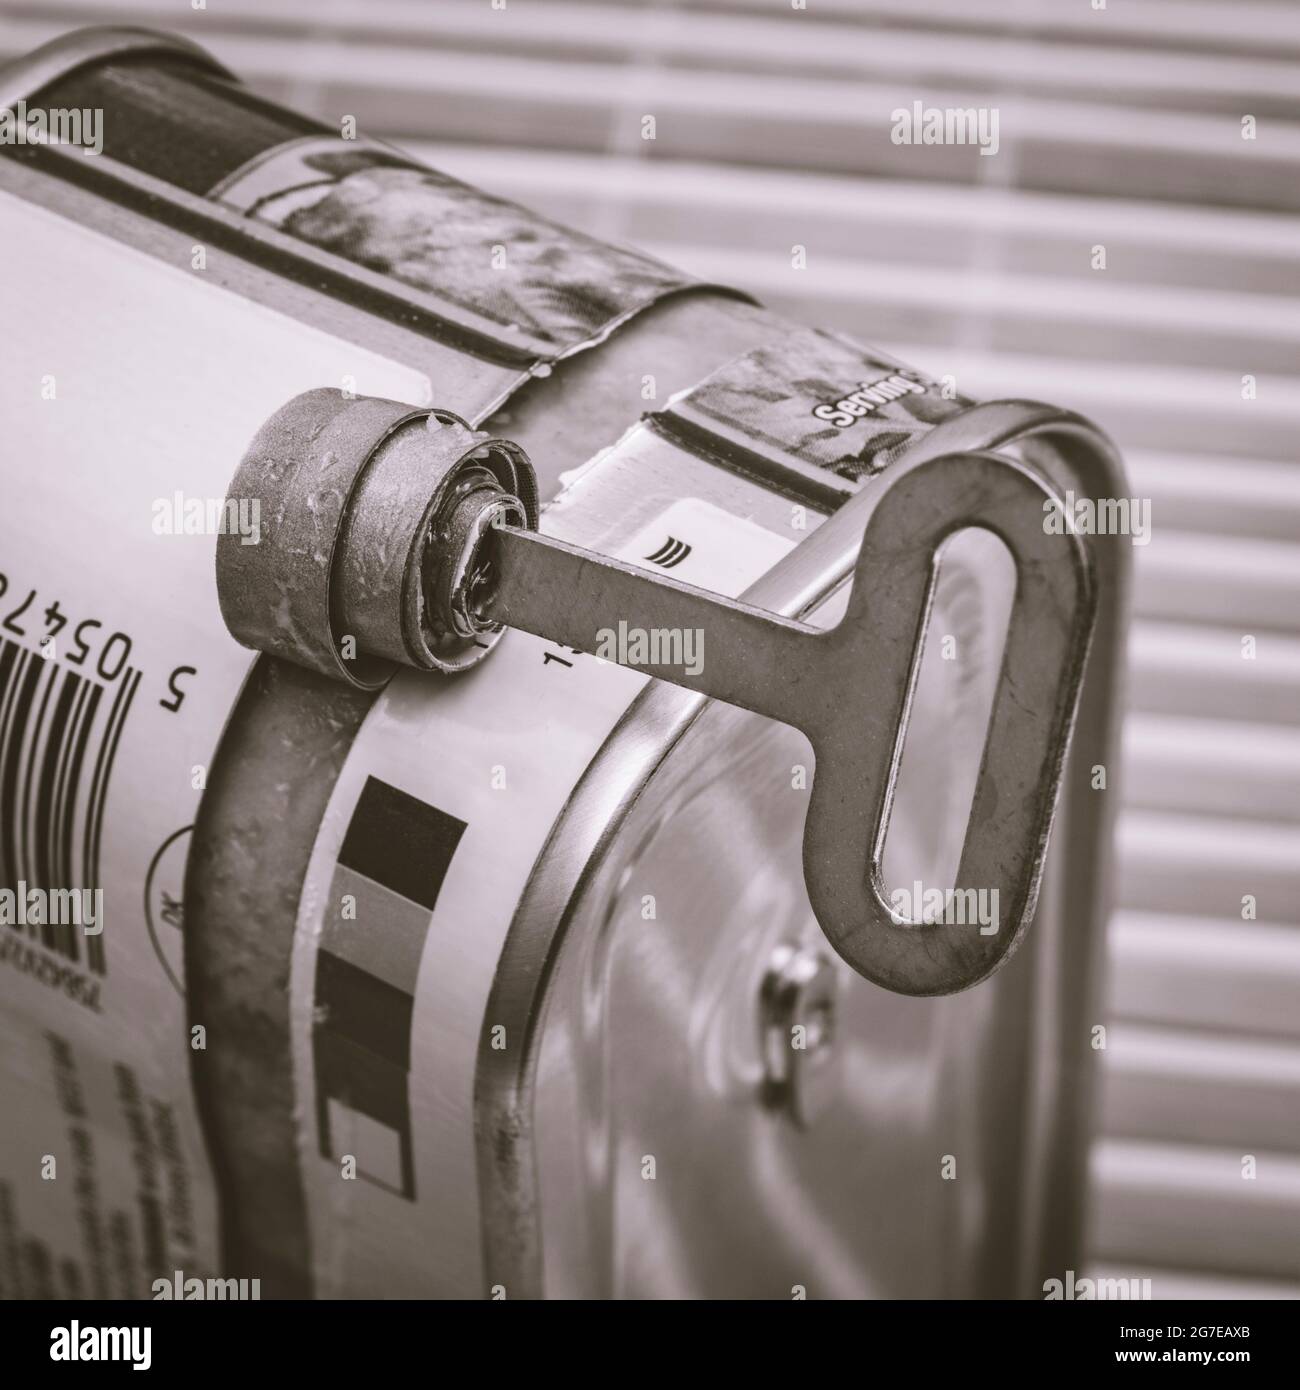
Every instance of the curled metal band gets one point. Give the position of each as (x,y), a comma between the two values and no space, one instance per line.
(392,584)
(351,575)
(302,469)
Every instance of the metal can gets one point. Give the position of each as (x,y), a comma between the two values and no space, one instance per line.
(505,984)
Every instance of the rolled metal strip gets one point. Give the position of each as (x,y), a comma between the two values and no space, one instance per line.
(373,518)
(301,470)
(402,572)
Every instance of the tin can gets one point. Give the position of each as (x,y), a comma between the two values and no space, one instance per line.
(505,984)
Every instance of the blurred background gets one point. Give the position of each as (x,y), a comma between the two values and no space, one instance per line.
(1124,130)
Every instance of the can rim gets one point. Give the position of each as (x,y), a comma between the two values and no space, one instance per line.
(62,56)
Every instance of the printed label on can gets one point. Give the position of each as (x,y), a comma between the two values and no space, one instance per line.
(813,403)
(132,390)
(524,275)
(433,831)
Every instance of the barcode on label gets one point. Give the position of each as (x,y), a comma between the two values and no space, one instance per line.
(59,733)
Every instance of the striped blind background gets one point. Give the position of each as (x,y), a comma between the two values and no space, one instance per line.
(1120,128)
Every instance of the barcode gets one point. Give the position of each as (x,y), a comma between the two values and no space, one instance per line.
(59,733)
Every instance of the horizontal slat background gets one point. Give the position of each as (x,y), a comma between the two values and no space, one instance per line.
(1119,128)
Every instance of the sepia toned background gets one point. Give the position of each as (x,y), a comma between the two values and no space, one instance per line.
(1120,128)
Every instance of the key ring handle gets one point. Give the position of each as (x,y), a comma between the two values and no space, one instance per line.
(858,724)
